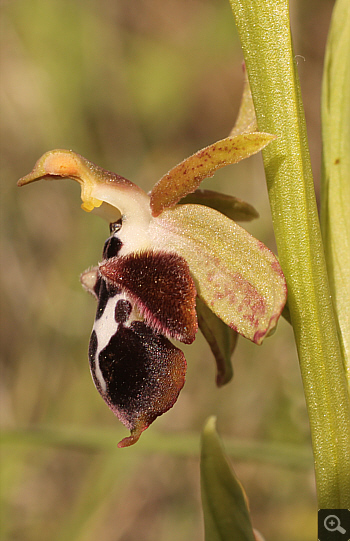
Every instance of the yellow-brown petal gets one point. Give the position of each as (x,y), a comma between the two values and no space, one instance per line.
(187,176)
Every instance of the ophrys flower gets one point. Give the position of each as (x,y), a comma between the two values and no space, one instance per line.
(164,251)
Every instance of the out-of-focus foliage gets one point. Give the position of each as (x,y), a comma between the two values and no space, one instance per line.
(135,86)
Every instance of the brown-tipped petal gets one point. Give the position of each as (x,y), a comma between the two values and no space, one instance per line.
(139,374)
(187,176)
(230,206)
(162,287)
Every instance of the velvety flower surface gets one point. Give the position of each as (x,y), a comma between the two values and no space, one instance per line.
(170,255)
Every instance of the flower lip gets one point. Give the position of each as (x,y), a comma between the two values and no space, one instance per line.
(138,372)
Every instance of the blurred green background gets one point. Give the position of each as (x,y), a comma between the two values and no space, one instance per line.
(135,86)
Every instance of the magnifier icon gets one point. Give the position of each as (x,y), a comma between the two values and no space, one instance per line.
(332,524)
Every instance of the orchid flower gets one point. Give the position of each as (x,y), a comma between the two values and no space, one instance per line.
(165,250)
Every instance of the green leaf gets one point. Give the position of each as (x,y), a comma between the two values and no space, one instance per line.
(335,186)
(187,175)
(230,206)
(236,275)
(226,515)
(221,339)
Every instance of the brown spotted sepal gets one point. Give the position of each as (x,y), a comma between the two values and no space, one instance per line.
(161,285)
(137,371)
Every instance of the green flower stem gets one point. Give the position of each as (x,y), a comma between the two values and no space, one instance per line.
(264,30)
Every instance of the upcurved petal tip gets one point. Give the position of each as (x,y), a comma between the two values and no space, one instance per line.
(133,438)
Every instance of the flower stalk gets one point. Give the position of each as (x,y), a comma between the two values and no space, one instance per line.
(264,31)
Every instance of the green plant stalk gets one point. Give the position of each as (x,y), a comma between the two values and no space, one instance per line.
(335,185)
(264,31)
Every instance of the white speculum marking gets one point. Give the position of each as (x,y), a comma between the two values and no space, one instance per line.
(132,238)
(106,326)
